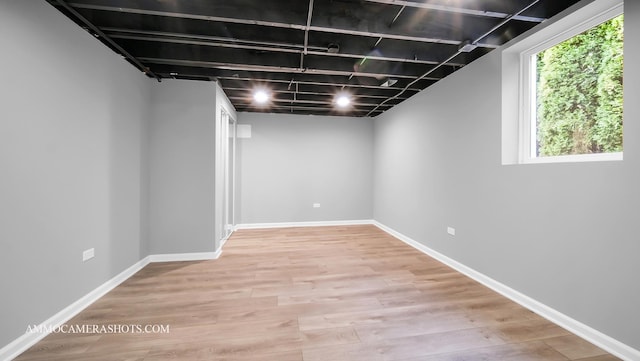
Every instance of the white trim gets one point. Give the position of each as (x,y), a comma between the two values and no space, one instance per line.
(590,334)
(22,343)
(225,239)
(573,158)
(582,20)
(179,257)
(304,224)
(516,135)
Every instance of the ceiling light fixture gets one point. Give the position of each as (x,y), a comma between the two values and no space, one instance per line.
(261,96)
(343,100)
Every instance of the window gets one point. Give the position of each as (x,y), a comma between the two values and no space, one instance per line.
(569,81)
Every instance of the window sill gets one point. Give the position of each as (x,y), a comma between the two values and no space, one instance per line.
(577,158)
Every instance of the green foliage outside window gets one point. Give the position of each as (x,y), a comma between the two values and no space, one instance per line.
(579,93)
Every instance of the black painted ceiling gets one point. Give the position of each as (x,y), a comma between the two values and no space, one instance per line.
(306,51)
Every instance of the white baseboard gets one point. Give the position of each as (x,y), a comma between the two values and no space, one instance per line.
(225,239)
(24,342)
(304,224)
(178,257)
(588,333)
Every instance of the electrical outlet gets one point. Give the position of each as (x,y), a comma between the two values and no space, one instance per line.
(316,205)
(88,254)
(451,231)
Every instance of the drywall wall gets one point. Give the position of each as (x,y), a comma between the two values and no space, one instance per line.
(72,123)
(293,161)
(182,167)
(563,234)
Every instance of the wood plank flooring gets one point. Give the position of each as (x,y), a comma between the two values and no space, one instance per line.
(313,294)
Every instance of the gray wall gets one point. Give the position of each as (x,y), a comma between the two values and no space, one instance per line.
(294,161)
(566,235)
(182,167)
(72,123)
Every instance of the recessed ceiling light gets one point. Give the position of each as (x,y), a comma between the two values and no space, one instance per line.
(261,96)
(343,100)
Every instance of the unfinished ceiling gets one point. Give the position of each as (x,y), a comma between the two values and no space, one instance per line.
(304,52)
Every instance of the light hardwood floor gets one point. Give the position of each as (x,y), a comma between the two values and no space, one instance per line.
(320,293)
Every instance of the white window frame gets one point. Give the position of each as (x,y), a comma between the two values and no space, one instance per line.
(518,135)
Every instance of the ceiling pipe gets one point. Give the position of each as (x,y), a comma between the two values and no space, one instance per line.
(280,47)
(186,41)
(423,76)
(317,83)
(303,101)
(392,22)
(289,91)
(306,34)
(187,16)
(270,68)
(115,32)
(456,10)
(101,34)
(319,109)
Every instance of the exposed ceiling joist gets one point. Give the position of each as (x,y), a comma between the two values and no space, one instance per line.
(458,52)
(274,24)
(283,48)
(379,52)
